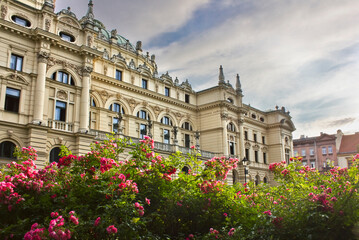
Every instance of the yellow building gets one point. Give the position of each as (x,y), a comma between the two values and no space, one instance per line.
(69,81)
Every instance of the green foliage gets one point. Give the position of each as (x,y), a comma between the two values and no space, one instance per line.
(146,196)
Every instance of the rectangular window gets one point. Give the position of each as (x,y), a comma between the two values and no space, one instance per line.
(263,139)
(245,135)
(60,111)
(187,141)
(16,62)
(144,84)
(167,91)
(312,164)
(255,137)
(12,100)
(324,150)
(118,75)
(247,153)
(166,136)
(256,156)
(186,98)
(265,158)
(296,153)
(115,125)
(330,149)
(143,130)
(311,152)
(231,148)
(303,153)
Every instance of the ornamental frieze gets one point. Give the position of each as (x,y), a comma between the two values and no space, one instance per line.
(65,64)
(3,11)
(61,95)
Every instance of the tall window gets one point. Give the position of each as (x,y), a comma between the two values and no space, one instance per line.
(60,111)
(118,75)
(12,100)
(231,148)
(166,136)
(186,98)
(143,130)
(311,152)
(143,114)
(255,137)
(256,156)
(144,84)
(16,62)
(115,125)
(263,139)
(324,150)
(287,155)
(187,141)
(7,150)
(303,153)
(265,158)
(63,77)
(167,91)
(296,153)
(55,154)
(21,21)
(166,120)
(247,154)
(330,149)
(312,164)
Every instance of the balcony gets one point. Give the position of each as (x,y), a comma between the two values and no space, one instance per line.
(60,125)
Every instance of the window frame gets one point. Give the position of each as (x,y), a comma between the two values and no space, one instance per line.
(12,102)
(118,75)
(20,21)
(167,91)
(144,84)
(10,148)
(67,37)
(187,98)
(324,150)
(60,111)
(63,77)
(14,61)
(166,132)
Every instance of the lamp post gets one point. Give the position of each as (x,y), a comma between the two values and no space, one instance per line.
(175,131)
(245,162)
(149,124)
(120,117)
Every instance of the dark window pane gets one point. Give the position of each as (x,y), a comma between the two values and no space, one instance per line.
(16,62)
(118,75)
(187,141)
(60,111)
(12,100)
(7,150)
(55,154)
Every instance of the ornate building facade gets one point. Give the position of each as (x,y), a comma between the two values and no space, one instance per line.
(69,81)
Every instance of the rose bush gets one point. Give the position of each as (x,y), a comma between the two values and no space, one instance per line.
(146,196)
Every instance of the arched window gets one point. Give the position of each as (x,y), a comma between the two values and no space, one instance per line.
(93,103)
(115,107)
(63,77)
(187,126)
(185,169)
(55,154)
(7,150)
(265,180)
(166,120)
(230,100)
(143,114)
(231,127)
(258,180)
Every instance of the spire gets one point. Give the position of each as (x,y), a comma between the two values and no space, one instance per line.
(238,84)
(89,14)
(221,76)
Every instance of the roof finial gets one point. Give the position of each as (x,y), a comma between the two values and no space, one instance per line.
(238,84)
(221,76)
(89,13)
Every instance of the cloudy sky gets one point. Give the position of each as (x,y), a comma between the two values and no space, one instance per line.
(299,54)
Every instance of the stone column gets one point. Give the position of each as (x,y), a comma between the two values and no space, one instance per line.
(224,117)
(40,88)
(85,99)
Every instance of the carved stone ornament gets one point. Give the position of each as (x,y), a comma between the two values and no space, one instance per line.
(10,133)
(168,110)
(104,96)
(157,110)
(247,145)
(132,79)
(132,102)
(3,11)
(264,149)
(52,61)
(43,56)
(145,103)
(118,96)
(156,87)
(47,24)
(256,147)
(240,121)
(105,70)
(178,116)
(132,64)
(61,95)
(86,71)
(89,41)
(224,115)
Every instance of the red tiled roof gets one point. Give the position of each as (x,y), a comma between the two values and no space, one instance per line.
(349,143)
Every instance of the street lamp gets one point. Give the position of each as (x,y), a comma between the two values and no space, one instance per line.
(245,162)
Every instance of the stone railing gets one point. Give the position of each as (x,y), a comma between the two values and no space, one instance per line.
(60,125)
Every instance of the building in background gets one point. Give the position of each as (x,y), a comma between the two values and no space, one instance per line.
(325,150)
(69,81)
